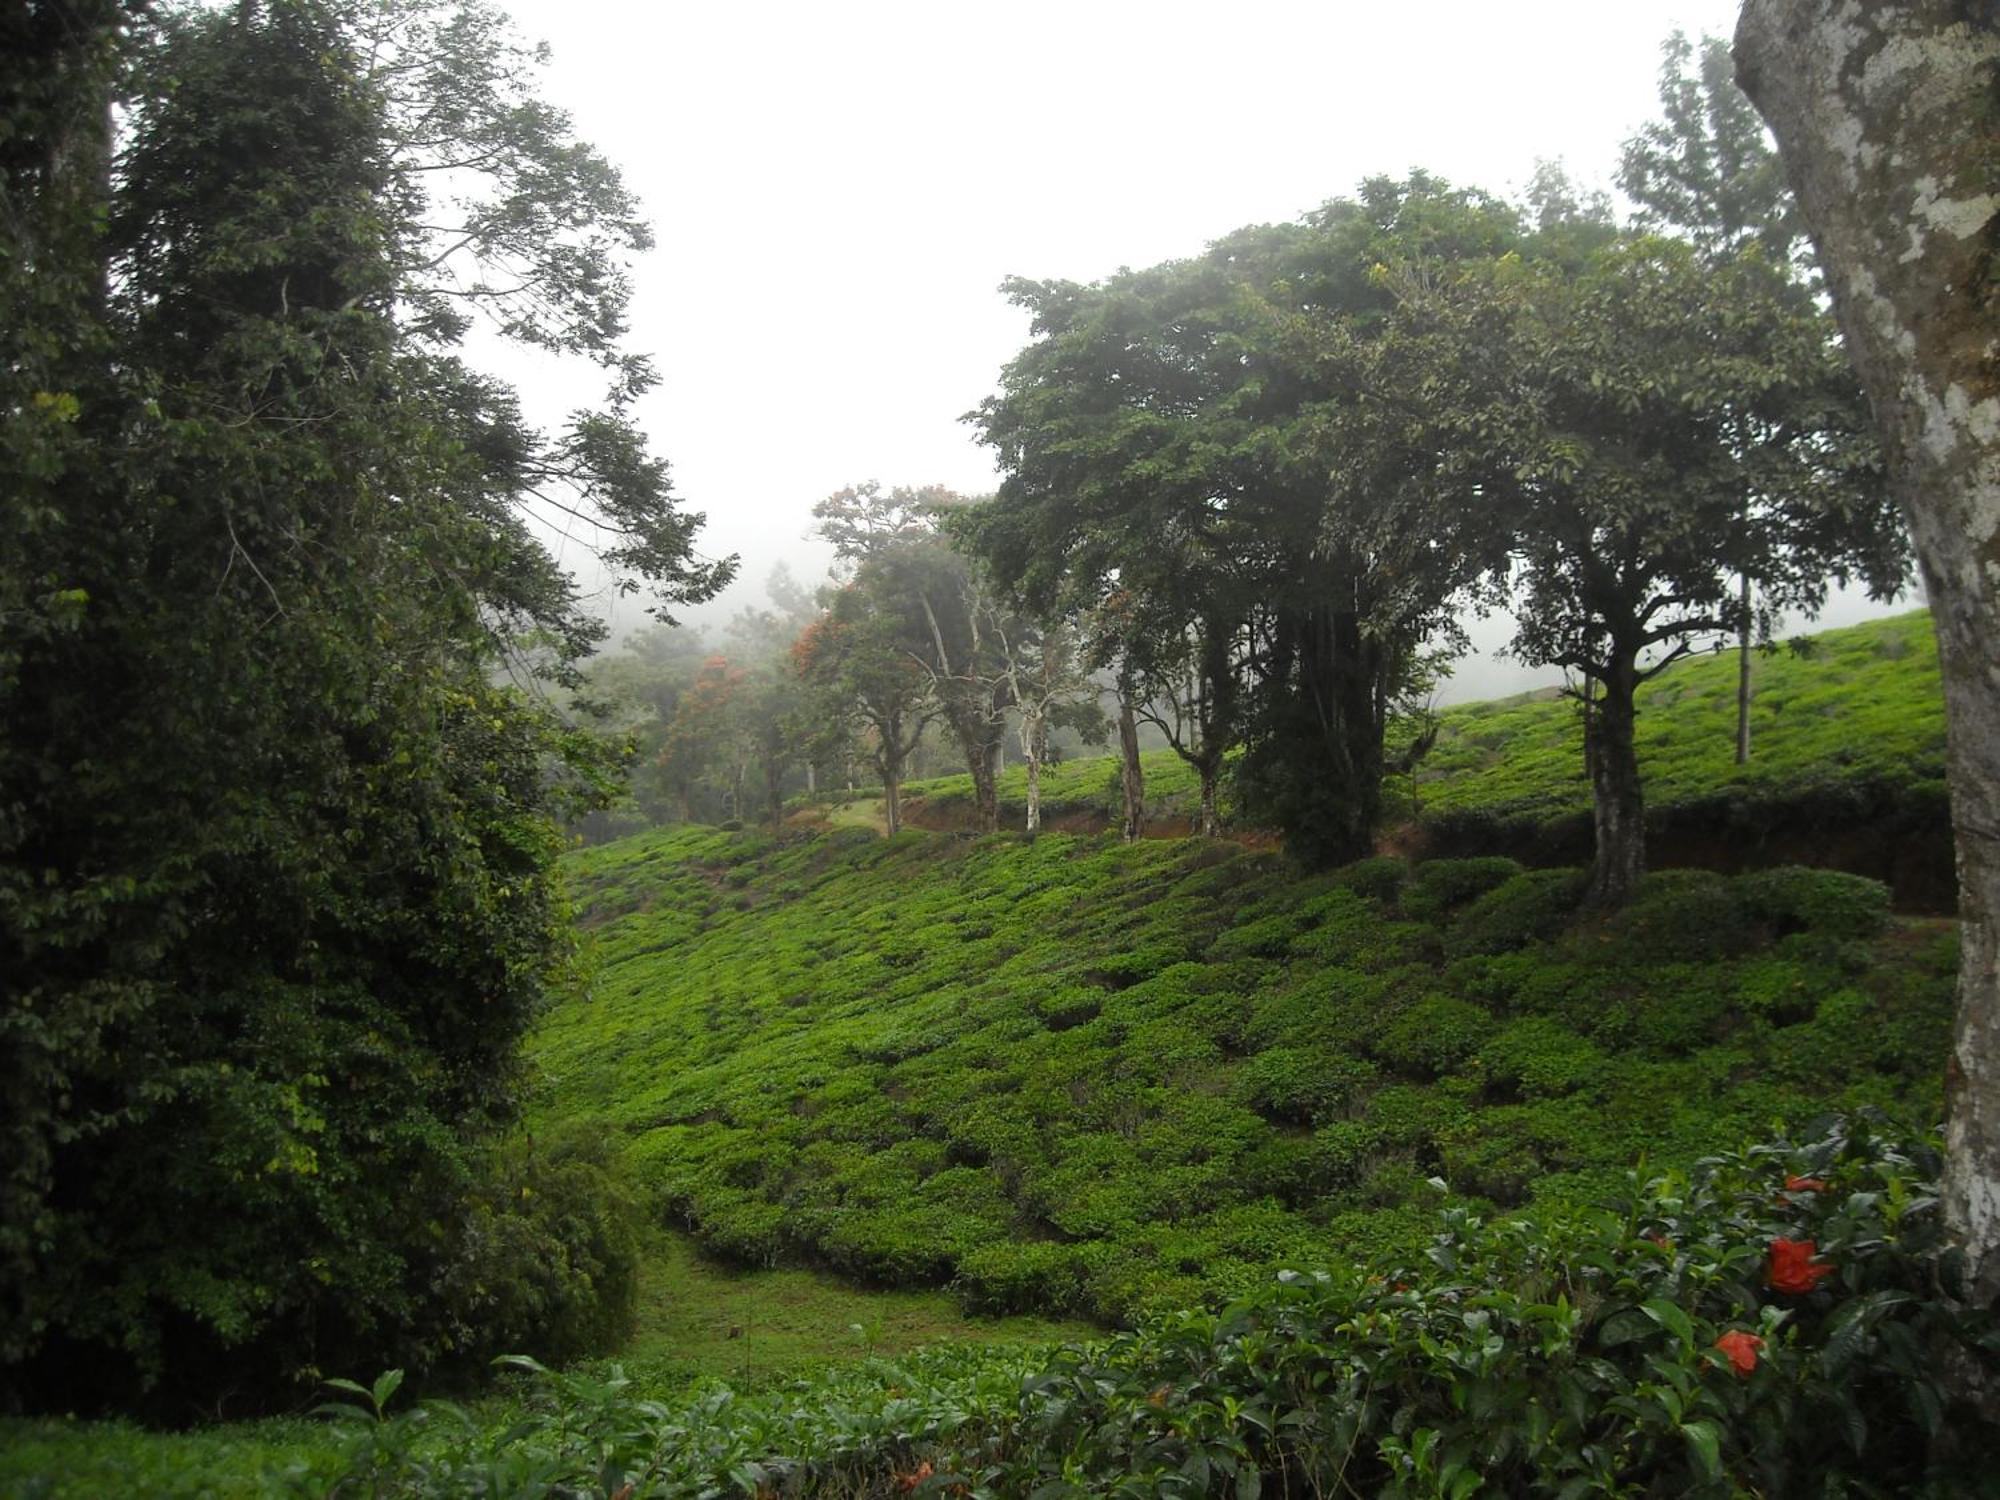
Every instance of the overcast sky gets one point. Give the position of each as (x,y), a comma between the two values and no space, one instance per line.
(838,189)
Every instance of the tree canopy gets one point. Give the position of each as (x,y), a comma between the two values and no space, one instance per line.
(276,861)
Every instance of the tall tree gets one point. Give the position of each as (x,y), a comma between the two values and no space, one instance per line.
(1658,392)
(277,896)
(939,608)
(1888,118)
(1706,170)
(854,666)
(1167,436)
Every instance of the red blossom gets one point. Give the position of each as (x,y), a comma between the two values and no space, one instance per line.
(1741,1348)
(915,1477)
(1804,1185)
(1792,1267)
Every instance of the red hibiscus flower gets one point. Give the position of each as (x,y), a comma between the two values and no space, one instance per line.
(1741,1348)
(1804,1185)
(1792,1268)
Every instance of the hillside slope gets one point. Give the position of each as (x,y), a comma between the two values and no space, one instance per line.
(1080,1076)
(1847,770)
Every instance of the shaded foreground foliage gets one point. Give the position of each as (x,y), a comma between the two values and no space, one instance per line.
(1768,1322)
(277,831)
(1090,1077)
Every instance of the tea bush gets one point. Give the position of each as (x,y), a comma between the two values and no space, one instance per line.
(929,1059)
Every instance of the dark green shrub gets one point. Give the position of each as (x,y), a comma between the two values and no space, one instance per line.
(1378,879)
(1434,1035)
(1528,908)
(1682,914)
(1302,1085)
(1783,990)
(1676,1008)
(1263,937)
(1826,903)
(1069,1005)
(548,1254)
(1438,886)
(1343,1154)
(1539,1057)
(1411,1117)
(1009,1276)
(903,1245)
(1354,933)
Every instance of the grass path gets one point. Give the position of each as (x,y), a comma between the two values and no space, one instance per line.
(697,1317)
(863,812)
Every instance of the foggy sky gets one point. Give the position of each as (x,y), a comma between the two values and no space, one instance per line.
(837,190)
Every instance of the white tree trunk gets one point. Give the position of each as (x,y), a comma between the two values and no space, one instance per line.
(1888,118)
(1033,740)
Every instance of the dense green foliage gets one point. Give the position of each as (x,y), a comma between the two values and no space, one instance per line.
(277,888)
(1079,1075)
(1768,1323)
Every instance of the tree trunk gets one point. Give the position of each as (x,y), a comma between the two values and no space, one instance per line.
(812,780)
(1888,120)
(892,801)
(1618,809)
(774,792)
(984,760)
(1131,775)
(1743,681)
(1034,747)
(1210,825)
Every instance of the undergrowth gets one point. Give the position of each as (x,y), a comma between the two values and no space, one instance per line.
(1773,1322)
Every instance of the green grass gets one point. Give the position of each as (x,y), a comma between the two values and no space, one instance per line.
(1862,706)
(58,1460)
(1086,1078)
(698,1317)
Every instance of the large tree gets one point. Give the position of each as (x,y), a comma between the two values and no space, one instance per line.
(1707,171)
(1657,392)
(277,896)
(1172,437)
(1888,118)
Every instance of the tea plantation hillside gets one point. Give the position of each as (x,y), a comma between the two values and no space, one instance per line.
(1847,766)
(1079,1076)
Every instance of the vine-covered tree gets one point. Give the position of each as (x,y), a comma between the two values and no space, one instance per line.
(276,854)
